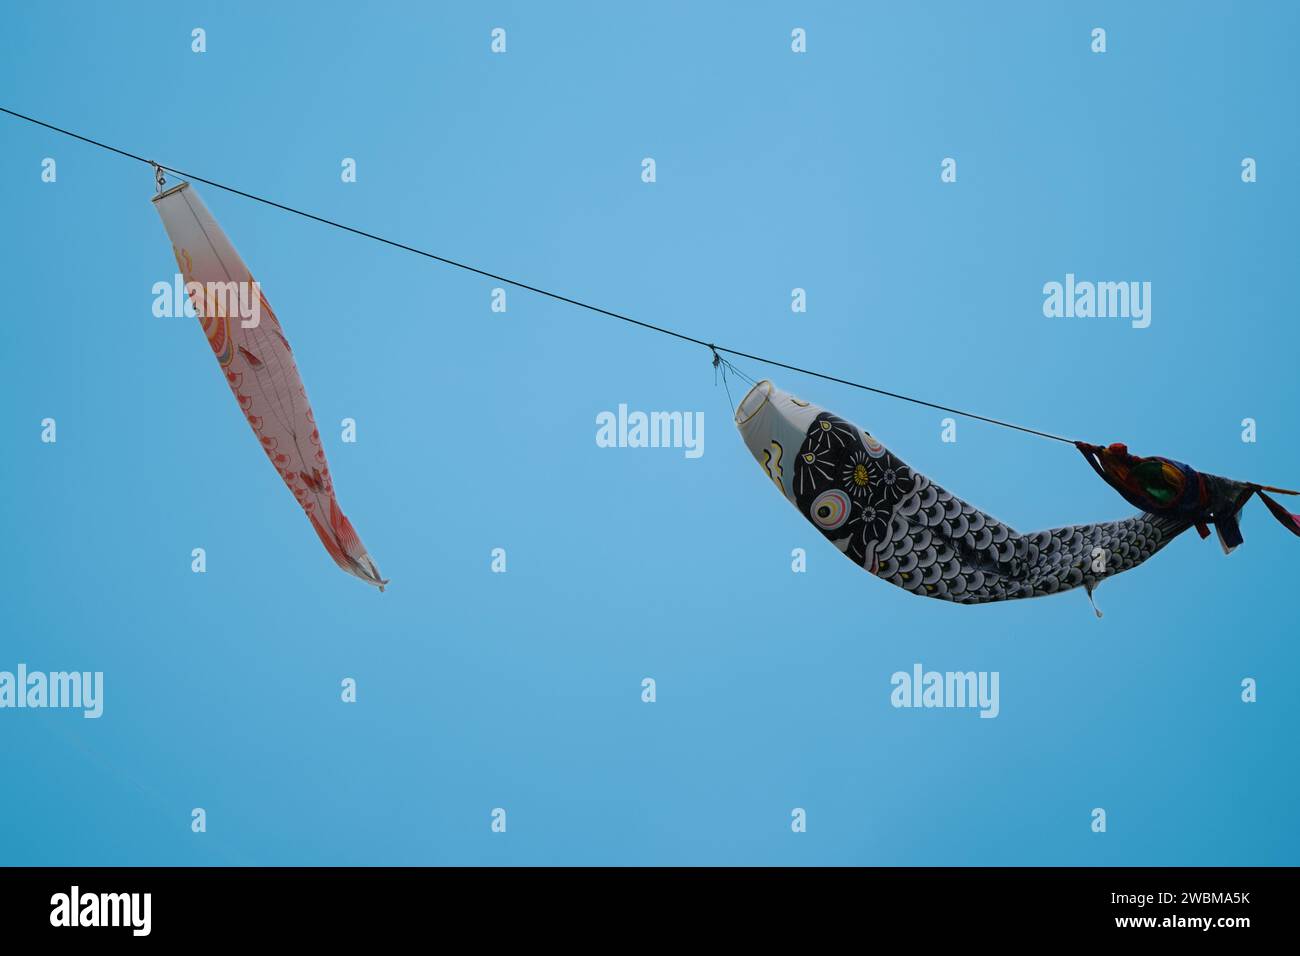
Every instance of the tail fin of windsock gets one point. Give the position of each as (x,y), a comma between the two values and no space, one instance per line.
(1228,527)
(1285,518)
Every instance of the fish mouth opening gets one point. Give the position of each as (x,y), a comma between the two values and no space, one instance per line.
(753,401)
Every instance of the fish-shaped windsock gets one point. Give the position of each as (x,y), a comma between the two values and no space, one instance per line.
(1163,486)
(904,528)
(258,365)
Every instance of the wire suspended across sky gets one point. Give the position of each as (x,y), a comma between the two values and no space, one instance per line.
(712,347)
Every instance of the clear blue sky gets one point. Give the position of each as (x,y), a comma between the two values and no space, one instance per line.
(477,430)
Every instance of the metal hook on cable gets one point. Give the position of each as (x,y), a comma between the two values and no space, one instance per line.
(158,176)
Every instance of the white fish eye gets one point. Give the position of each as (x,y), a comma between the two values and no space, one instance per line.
(830,509)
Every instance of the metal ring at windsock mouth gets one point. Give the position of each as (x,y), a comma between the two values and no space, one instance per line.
(753,401)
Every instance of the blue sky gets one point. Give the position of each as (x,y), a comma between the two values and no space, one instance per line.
(477,430)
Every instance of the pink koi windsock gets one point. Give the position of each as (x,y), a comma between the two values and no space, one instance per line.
(258,366)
